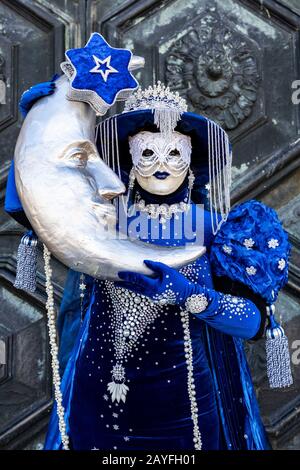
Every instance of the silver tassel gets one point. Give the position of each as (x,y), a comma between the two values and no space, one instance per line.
(219,168)
(27,262)
(166,119)
(277,351)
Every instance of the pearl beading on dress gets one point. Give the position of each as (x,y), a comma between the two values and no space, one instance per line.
(82,288)
(132,314)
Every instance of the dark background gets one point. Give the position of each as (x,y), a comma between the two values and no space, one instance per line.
(238,58)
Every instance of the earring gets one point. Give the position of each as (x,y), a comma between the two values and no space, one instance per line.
(131,179)
(191,180)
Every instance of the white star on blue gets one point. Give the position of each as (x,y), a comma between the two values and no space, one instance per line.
(101,68)
(98,67)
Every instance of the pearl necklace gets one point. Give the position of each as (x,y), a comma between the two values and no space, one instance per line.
(54,351)
(162,211)
(185,316)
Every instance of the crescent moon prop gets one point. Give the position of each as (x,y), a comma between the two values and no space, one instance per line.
(65,188)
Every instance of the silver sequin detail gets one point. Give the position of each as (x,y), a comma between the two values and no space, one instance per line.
(132,314)
(251,270)
(166,297)
(281,264)
(227,249)
(249,243)
(273,243)
(196,303)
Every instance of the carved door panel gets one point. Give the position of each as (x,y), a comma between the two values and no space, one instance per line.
(234,61)
(33,38)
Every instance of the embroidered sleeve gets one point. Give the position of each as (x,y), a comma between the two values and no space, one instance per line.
(236,316)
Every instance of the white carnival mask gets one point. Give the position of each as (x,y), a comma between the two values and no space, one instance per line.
(152,150)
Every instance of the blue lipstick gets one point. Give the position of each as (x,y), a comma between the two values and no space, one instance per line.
(161,175)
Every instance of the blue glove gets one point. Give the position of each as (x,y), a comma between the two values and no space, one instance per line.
(236,316)
(166,286)
(35,92)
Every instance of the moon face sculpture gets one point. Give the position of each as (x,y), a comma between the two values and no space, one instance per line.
(65,189)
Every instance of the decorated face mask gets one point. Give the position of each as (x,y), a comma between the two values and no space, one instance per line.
(160,161)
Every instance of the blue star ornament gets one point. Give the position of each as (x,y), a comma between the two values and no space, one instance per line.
(99,73)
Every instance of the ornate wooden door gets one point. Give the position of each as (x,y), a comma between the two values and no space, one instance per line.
(235,61)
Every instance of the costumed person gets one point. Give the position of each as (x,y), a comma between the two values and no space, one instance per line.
(158,362)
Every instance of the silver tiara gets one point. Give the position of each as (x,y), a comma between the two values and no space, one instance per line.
(166,105)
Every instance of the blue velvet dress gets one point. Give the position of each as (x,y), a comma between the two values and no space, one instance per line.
(156,414)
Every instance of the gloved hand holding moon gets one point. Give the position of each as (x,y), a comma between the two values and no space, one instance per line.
(66,188)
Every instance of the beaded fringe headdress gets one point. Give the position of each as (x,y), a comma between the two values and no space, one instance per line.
(168,108)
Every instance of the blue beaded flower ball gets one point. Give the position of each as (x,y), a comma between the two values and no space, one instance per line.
(253,248)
